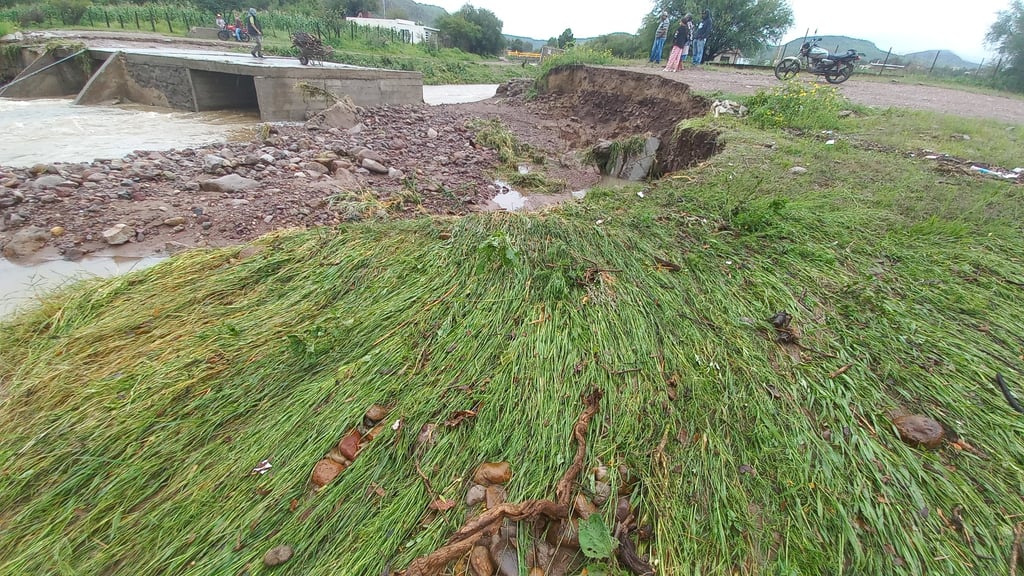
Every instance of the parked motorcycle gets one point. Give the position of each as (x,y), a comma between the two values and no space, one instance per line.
(228,32)
(836,68)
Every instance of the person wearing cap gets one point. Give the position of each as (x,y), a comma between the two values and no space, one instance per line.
(221,24)
(255,32)
(680,44)
(700,37)
(659,39)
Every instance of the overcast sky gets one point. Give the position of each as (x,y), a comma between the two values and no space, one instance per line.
(905,25)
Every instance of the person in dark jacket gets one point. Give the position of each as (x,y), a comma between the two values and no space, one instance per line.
(700,37)
(255,32)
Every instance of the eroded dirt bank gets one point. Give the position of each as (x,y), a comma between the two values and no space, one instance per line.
(396,162)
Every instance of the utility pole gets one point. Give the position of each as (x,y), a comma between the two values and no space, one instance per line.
(384,8)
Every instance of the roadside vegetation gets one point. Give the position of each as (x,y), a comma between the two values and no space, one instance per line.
(138,412)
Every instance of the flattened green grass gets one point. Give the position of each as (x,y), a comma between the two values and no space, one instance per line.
(133,409)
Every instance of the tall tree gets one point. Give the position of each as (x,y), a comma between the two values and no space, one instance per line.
(744,25)
(475,30)
(566,39)
(1007,36)
(350,7)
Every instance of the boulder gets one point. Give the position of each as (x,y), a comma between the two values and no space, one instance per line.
(373,166)
(228,184)
(48,181)
(118,234)
(212,163)
(26,241)
(341,115)
(12,38)
(346,180)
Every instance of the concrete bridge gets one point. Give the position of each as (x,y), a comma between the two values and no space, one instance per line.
(280,88)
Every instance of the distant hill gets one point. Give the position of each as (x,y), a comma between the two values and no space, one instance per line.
(871,52)
(426,14)
(946,59)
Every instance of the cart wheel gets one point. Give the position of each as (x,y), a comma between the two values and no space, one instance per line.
(303,60)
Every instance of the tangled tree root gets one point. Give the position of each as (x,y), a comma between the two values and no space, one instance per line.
(488,523)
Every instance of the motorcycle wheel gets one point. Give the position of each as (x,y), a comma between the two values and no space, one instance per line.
(303,60)
(223,35)
(839,76)
(787,69)
(245,37)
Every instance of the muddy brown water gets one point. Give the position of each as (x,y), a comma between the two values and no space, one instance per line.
(54,130)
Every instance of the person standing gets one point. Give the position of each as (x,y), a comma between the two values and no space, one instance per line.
(255,32)
(680,43)
(659,39)
(700,37)
(238,27)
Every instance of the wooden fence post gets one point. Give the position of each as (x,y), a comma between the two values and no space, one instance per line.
(882,69)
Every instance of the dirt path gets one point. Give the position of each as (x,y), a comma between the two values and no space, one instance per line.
(862,90)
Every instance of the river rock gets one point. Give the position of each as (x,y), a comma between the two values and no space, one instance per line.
(341,115)
(373,166)
(12,38)
(117,234)
(48,181)
(917,430)
(395,173)
(174,221)
(26,241)
(277,555)
(313,168)
(230,183)
(345,180)
(431,133)
(475,495)
(212,163)
(362,153)
(492,473)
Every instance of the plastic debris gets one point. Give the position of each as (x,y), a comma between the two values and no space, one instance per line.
(262,468)
(995,173)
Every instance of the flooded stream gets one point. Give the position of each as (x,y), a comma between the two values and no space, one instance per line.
(21,285)
(54,130)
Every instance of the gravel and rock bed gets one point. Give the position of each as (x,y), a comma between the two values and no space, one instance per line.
(345,164)
(395,162)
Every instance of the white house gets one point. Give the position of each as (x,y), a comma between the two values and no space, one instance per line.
(416,32)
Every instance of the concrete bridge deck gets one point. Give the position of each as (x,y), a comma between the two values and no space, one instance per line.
(281,88)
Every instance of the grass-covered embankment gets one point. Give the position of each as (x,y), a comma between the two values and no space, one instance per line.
(132,410)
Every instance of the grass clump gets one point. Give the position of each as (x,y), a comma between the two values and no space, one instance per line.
(133,409)
(579,54)
(6,27)
(797,105)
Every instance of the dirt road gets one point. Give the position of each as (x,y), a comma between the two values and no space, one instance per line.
(870,91)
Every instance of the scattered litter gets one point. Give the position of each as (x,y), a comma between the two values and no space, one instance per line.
(262,468)
(931,157)
(640,193)
(797,170)
(599,222)
(729,107)
(994,173)
(829,142)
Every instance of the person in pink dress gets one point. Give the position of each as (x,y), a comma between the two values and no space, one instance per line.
(680,44)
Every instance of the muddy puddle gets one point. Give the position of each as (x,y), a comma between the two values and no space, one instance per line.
(509,199)
(21,285)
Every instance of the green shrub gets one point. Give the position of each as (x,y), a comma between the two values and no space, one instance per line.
(797,105)
(6,28)
(33,15)
(71,11)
